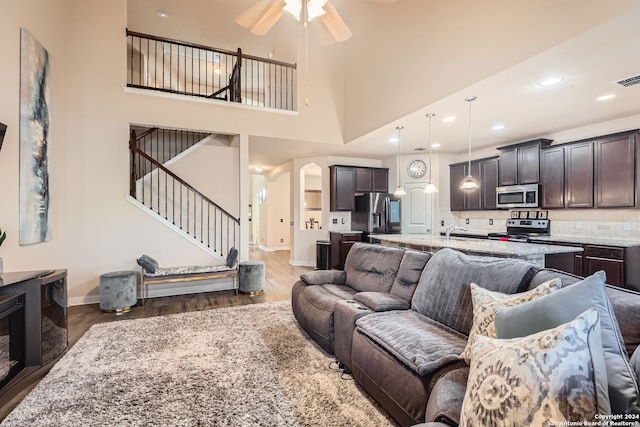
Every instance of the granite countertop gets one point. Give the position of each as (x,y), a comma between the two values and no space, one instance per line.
(473,245)
(586,241)
(469,233)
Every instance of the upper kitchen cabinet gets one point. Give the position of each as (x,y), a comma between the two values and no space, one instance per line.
(594,173)
(615,174)
(483,170)
(552,177)
(579,175)
(347,181)
(520,163)
(342,182)
(369,180)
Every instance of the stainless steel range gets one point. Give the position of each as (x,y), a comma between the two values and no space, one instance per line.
(520,230)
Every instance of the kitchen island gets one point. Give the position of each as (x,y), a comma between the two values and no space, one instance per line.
(538,253)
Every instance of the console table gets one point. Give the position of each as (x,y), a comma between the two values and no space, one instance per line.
(38,302)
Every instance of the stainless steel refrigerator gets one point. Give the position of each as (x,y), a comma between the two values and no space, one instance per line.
(377,213)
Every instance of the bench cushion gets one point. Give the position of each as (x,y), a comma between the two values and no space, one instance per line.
(189,269)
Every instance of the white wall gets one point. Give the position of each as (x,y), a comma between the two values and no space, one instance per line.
(95,230)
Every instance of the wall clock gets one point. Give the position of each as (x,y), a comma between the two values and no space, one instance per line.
(417,169)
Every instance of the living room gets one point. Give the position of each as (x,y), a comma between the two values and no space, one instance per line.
(96,230)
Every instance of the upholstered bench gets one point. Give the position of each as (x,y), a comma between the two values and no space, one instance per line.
(152,274)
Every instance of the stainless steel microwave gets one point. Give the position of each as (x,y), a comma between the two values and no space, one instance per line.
(518,196)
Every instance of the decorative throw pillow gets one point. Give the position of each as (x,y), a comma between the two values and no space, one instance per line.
(232,257)
(536,380)
(565,304)
(149,264)
(484,301)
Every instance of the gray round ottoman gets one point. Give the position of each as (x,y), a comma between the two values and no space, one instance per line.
(118,291)
(251,277)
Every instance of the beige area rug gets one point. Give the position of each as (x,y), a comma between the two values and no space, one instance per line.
(241,366)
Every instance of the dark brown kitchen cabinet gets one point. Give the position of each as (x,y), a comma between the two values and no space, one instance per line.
(380,180)
(341,243)
(456,195)
(552,177)
(489,182)
(615,185)
(485,171)
(579,175)
(342,183)
(371,180)
(473,198)
(347,181)
(520,163)
(609,259)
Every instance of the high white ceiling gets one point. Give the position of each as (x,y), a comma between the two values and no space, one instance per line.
(589,63)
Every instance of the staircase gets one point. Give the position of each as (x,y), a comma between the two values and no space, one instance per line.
(176,202)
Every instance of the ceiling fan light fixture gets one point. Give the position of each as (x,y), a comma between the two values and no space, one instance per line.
(293,8)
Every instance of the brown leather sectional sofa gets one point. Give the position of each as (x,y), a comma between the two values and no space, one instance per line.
(399,319)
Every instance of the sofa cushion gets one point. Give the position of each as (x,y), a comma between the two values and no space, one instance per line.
(443,293)
(625,305)
(535,379)
(408,275)
(417,341)
(340,291)
(372,267)
(485,301)
(381,301)
(563,305)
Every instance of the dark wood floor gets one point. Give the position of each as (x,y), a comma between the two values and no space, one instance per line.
(279,278)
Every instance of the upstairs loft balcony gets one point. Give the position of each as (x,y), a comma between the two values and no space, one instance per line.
(171,66)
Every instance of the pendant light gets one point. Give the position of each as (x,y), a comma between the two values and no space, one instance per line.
(400,190)
(430,187)
(469,182)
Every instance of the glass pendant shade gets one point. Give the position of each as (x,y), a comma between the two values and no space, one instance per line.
(314,8)
(399,191)
(430,187)
(469,183)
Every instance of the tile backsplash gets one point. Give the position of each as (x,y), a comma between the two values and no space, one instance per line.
(619,224)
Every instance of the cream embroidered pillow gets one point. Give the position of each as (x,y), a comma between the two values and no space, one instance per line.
(484,301)
(539,380)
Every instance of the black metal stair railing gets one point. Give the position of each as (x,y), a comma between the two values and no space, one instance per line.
(172,198)
(183,68)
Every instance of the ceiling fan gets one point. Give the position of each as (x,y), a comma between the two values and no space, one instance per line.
(262,16)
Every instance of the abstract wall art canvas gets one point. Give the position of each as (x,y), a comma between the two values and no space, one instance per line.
(35,126)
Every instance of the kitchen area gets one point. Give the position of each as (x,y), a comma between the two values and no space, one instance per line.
(570,206)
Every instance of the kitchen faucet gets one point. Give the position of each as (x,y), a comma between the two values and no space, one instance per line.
(453,228)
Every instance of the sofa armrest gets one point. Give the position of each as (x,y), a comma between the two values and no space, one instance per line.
(322,277)
(445,400)
(381,301)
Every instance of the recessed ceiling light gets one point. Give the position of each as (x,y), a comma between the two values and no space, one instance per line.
(498,127)
(449,119)
(393,139)
(551,81)
(162,14)
(606,97)
(435,145)
(258,168)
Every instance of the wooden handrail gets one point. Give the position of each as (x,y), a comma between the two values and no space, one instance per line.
(213,49)
(136,150)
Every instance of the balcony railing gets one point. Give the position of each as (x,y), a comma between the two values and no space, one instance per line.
(183,68)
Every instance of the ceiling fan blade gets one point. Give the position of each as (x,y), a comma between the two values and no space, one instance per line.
(335,24)
(272,13)
(249,17)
